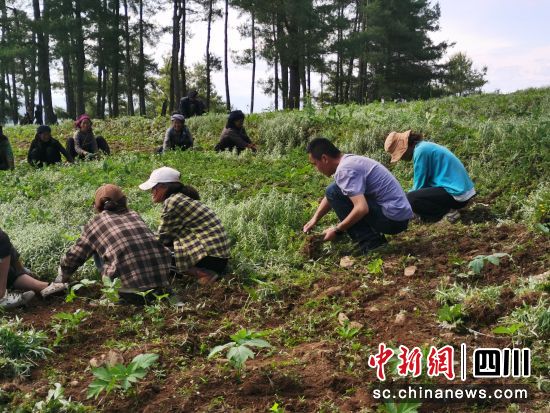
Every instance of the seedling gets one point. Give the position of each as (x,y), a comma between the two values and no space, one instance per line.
(451,314)
(110,290)
(67,323)
(509,330)
(376,266)
(72,292)
(392,407)
(276,408)
(56,402)
(119,376)
(477,264)
(347,332)
(239,349)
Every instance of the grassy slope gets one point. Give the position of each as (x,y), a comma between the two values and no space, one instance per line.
(263,200)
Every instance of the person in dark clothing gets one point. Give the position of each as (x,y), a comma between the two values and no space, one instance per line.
(178,136)
(6,153)
(84,144)
(191,105)
(26,119)
(38,115)
(234,135)
(46,150)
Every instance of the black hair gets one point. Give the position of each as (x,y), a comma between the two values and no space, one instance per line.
(232,117)
(322,146)
(179,188)
(107,204)
(415,138)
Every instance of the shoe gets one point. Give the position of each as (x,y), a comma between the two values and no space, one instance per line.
(452,216)
(53,288)
(14,300)
(207,278)
(373,245)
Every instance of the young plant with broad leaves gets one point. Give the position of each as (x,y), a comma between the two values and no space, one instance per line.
(67,324)
(240,348)
(119,376)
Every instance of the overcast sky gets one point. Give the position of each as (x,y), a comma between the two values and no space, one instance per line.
(510,37)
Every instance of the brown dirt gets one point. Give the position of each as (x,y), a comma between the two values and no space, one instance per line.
(310,367)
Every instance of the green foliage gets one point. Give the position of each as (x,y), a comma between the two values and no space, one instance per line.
(110,290)
(529,323)
(239,349)
(20,347)
(507,330)
(536,210)
(392,407)
(57,403)
(376,266)
(72,291)
(477,264)
(119,376)
(276,408)
(451,314)
(67,324)
(346,331)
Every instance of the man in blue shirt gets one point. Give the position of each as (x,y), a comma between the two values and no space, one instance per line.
(441,184)
(366,197)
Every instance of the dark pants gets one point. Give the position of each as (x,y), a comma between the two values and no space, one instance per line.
(101,145)
(368,232)
(215,264)
(48,157)
(7,250)
(431,204)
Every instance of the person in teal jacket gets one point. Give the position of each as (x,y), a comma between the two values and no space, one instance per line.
(441,184)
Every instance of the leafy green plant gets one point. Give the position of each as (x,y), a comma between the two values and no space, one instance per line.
(276,408)
(392,407)
(451,314)
(119,376)
(239,349)
(57,403)
(67,323)
(508,329)
(110,290)
(20,347)
(71,296)
(375,266)
(478,263)
(346,331)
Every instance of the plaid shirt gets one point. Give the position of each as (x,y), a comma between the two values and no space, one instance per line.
(128,248)
(193,229)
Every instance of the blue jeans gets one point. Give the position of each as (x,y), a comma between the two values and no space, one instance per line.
(368,232)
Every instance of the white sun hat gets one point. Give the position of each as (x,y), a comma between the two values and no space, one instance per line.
(161,175)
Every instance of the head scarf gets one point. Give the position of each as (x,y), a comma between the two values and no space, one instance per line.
(177,116)
(80,119)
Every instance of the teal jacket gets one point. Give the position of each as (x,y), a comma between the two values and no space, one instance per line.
(436,166)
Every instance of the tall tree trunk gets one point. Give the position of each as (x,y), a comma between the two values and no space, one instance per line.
(183,73)
(99,107)
(14,99)
(225,59)
(68,82)
(175,94)
(116,62)
(275,65)
(33,83)
(104,94)
(80,59)
(101,61)
(43,64)
(253,62)
(141,64)
(294,83)
(208,81)
(129,88)
(3,20)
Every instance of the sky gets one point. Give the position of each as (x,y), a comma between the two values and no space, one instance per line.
(511,38)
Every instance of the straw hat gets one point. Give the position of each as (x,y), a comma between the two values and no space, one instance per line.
(396,144)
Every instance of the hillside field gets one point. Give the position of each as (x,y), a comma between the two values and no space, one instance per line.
(483,281)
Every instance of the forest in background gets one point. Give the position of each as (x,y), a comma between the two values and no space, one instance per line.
(94,52)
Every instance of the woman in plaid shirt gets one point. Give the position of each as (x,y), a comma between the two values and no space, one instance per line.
(122,244)
(188,227)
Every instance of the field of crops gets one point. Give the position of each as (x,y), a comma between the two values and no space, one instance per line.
(302,320)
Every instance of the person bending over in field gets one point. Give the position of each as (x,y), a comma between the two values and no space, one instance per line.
(366,197)
(188,227)
(84,144)
(191,105)
(123,247)
(14,275)
(177,136)
(234,135)
(441,184)
(46,150)
(6,153)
